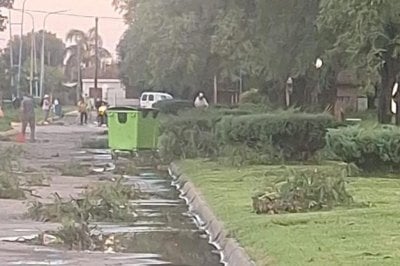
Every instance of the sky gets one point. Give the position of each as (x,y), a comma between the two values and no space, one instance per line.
(110,30)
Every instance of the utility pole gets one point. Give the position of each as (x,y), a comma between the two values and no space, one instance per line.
(96,68)
(11,55)
(78,62)
(32,63)
(42,52)
(20,50)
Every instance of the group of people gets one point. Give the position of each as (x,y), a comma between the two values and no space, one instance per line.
(85,108)
(48,106)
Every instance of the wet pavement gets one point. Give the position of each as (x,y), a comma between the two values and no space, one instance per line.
(164,233)
(164,226)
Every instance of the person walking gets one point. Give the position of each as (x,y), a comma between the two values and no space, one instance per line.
(28,116)
(89,107)
(57,107)
(46,106)
(82,109)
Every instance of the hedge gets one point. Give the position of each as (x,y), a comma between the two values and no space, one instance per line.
(291,136)
(173,106)
(189,135)
(369,148)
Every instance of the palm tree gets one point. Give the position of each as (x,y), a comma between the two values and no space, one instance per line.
(82,52)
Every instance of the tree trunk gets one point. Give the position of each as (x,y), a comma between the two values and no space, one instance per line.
(388,78)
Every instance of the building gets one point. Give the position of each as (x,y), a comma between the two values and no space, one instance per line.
(109,86)
(348,96)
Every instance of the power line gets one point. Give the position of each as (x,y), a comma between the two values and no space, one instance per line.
(70,14)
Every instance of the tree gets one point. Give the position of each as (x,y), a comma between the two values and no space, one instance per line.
(53,57)
(82,52)
(3,19)
(168,49)
(287,41)
(54,53)
(127,7)
(181,45)
(367,36)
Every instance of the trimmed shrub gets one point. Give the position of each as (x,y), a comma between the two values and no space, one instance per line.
(192,133)
(187,137)
(173,106)
(292,136)
(376,148)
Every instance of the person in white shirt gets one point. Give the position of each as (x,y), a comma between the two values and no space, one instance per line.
(201,101)
(46,107)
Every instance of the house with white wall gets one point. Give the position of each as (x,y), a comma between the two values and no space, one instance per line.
(109,86)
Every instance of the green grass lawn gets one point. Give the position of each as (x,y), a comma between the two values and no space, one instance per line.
(358,236)
(10,115)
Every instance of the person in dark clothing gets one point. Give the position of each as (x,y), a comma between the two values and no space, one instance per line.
(28,116)
(16,102)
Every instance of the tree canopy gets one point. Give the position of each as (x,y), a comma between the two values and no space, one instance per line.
(53,61)
(366,36)
(181,45)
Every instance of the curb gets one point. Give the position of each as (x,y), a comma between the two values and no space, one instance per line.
(232,253)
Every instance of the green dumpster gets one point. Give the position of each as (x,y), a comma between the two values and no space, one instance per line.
(132,129)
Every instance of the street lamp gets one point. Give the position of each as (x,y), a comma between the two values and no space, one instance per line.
(314,94)
(33,51)
(42,55)
(33,70)
(20,50)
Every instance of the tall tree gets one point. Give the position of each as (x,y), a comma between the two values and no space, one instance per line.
(367,35)
(3,18)
(53,55)
(127,7)
(169,49)
(181,45)
(81,52)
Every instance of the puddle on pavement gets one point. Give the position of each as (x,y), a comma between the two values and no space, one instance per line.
(164,226)
(164,233)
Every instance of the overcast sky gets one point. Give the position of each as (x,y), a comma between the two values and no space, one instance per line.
(110,30)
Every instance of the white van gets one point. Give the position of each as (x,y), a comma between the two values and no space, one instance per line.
(147,99)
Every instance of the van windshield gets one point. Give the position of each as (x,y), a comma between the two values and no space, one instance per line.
(151,97)
(144,97)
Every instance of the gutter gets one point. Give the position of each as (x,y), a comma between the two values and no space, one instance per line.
(231,252)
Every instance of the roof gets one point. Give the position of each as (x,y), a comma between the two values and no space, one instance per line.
(106,72)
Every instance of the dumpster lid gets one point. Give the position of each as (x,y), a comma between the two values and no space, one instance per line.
(130,108)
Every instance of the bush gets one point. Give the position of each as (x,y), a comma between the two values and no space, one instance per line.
(173,106)
(188,137)
(292,136)
(192,133)
(310,190)
(369,148)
